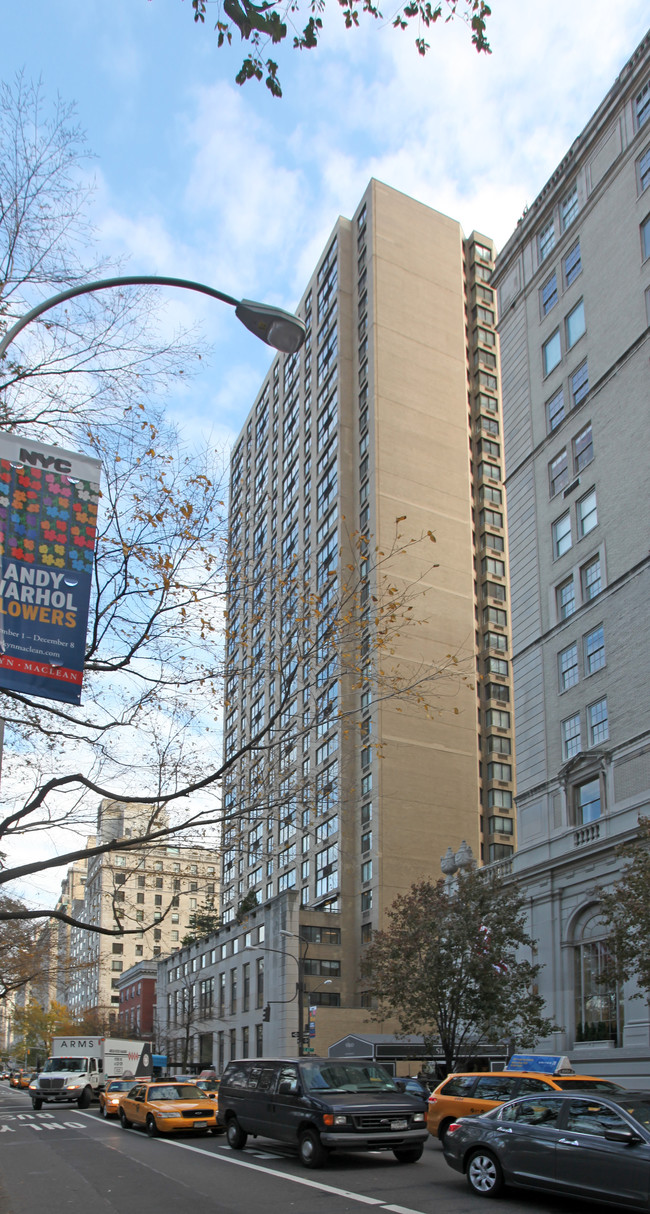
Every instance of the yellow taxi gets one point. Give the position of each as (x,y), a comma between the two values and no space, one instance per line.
(21,1079)
(166,1106)
(109,1099)
(470,1093)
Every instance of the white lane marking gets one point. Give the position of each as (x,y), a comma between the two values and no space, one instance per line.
(401,1210)
(7,1129)
(310,1184)
(255,1167)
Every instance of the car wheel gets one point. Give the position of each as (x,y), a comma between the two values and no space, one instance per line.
(236,1136)
(408,1154)
(85,1099)
(124,1121)
(37,1103)
(442,1129)
(150,1126)
(484,1175)
(311,1150)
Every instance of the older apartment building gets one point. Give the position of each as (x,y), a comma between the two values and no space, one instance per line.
(574,300)
(384,428)
(151,891)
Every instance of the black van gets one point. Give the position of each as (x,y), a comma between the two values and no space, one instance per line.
(322,1105)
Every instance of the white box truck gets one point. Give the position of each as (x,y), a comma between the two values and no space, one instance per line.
(80,1067)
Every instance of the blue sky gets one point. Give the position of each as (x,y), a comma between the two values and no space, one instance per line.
(198,177)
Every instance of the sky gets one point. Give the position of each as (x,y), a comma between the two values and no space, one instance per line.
(199,178)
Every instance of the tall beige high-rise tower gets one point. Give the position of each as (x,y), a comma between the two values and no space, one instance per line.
(386,424)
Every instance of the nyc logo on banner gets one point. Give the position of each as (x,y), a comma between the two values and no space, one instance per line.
(48,529)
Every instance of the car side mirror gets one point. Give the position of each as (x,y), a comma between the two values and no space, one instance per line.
(625,1137)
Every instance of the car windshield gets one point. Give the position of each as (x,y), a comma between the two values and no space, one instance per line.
(596,1085)
(66,1064)
(123,1085)
(346,1077)
(175,1091)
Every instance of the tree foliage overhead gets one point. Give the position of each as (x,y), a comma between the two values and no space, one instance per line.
(21,962)
(626,910)
(451,965)
(268,24)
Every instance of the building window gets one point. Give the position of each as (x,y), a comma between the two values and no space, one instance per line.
(499,798)
(551,352)
(572,264)
(580,383)
(642,105)
(500,826)
(565,599)
(594,647)
(366,933)
(587,514)
(499,771)
(500,851)
(559,473)
(562,535)
(568,667)
(575,324)
(596,998)
(569,208)
(549,294)
(555,410)
(586,801)
(590,578)
(366,900)
(643,168)
(583,449)
(366,871)
(645,238)
(546,240)
(597,722)
(571,736)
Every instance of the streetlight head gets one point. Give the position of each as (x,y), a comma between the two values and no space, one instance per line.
(277,328)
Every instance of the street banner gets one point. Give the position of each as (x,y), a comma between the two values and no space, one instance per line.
(48,528)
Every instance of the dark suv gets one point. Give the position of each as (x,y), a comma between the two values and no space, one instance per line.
(321,1105)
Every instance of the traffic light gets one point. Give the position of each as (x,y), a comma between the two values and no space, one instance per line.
(266,1014)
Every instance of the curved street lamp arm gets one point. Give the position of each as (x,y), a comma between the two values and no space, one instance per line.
(277,328)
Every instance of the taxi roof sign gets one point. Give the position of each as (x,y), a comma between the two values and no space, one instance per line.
(544,1064)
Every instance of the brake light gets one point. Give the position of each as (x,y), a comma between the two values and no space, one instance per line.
(453,1125)
(433,1099)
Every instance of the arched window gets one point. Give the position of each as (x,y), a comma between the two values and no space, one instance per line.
(598,1010)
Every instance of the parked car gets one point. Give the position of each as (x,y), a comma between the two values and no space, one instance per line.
(475,1092)
(321,1105)
(590,1145)
(162,1107)
(415,1086)
(109,1099)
